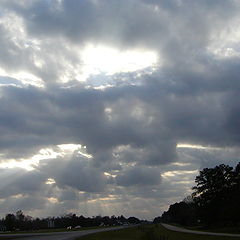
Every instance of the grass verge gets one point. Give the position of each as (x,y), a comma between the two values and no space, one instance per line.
(220,230)
(227,229)
(151,232)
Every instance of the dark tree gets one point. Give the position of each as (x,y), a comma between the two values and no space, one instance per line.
(214,202)
(22,222)
(133,220)
(157,220)
(182,213)
(10,221)
(212,194)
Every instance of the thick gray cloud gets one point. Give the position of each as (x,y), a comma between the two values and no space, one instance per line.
(139,176)
(132,126)
(14,182)
(179,35)
(76,173)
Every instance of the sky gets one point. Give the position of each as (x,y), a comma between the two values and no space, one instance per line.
(113,107)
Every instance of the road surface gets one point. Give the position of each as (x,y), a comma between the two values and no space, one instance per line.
(178,229)
(71,235)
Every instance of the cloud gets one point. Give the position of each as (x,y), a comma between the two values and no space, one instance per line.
(130,122)
(76,173)
(139,176)
(18,181)
(27,203)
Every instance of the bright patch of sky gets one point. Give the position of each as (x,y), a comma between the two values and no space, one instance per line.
(194,146)
(62,150)
(24,77)
(225,44)
(109,61)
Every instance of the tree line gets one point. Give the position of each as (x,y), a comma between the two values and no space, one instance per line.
(20,222)
(214,201)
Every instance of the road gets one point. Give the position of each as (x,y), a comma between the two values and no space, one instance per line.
(71,235)
(178,229)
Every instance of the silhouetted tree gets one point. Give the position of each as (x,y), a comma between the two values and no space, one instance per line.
(215,199)
(133,220)
(182,213)
(157,220)
(22,222)
(212,194)
(10,222)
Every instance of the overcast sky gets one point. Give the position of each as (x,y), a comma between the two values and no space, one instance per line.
(112,107)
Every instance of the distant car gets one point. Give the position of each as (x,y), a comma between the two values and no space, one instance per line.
(69,227)
(77,227)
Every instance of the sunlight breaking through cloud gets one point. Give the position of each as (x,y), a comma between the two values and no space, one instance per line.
(102,59)
(114,106)
(62,150)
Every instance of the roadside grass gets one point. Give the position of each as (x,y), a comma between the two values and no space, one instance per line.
(127,234)
(190,236)
(226,229)
(151,232)
(219,230)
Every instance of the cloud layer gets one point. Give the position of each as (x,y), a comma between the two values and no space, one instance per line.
(130,125)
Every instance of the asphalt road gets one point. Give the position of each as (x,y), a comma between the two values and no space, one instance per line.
(178,229)
(70,235)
